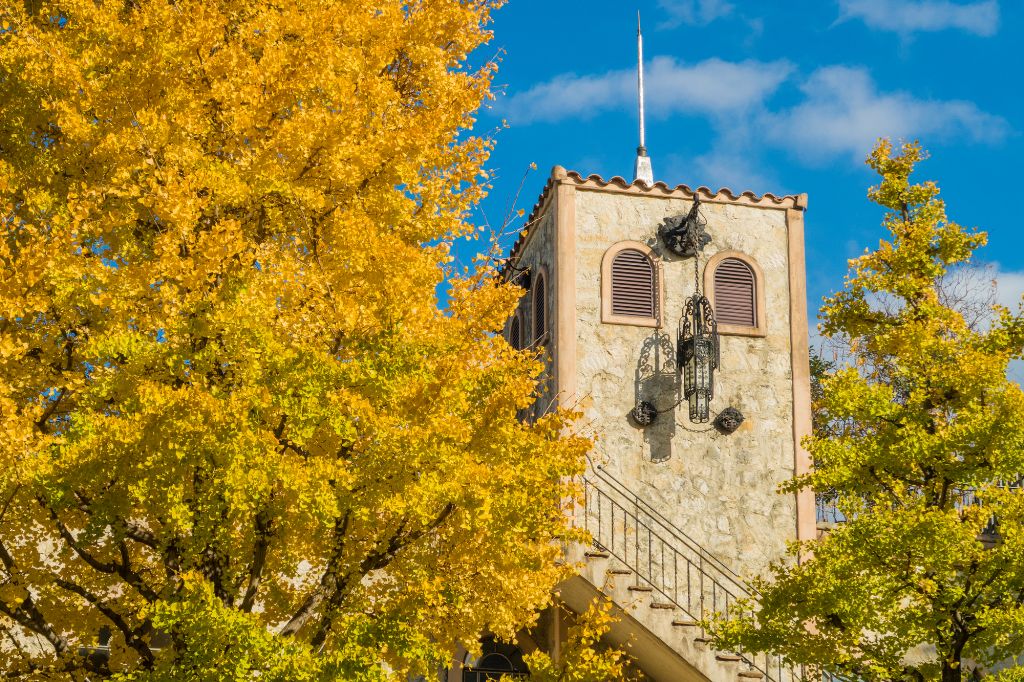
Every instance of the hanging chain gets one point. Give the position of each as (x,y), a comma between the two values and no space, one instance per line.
(694,240)
(696,272)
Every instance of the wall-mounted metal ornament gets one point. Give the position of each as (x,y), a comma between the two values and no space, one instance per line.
(685,235)
(657,379)
(728,420)
(699,356)
(644,414)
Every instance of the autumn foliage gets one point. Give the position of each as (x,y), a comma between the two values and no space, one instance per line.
(919,441)
(238,432)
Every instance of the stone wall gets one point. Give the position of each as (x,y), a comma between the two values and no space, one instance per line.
(538,259)
(720,489)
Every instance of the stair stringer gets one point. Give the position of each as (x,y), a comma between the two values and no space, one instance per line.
(666,645)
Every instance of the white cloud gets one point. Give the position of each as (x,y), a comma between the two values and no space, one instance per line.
(844,113)
(693,12)
(730,162)
(910,16)
(973,289)
(970,289)
(1009,288)
(727,166)
(710,87)
(1009,285)
(837,112)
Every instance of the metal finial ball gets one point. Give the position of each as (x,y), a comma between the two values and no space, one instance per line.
(728,420)
(644,413)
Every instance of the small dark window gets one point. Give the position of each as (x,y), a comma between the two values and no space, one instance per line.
(633,285)
(735,293)
(540,319)
(515,334)
(498,661)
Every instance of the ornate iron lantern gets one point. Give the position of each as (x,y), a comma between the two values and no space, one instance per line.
(698,356)
(698,348)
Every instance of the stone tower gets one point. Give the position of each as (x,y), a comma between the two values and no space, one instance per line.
(674,501)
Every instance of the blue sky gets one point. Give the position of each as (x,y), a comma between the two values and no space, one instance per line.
(773,96)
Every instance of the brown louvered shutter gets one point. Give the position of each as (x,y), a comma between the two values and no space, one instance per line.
(515,336)
(633,285)
(735,295)
(539,311)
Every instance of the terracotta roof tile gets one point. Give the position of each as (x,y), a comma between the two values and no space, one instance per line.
(660,189)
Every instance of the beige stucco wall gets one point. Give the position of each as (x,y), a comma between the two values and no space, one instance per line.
(721,490)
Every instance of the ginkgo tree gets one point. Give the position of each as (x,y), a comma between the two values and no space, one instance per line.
(920,440)
(240,437)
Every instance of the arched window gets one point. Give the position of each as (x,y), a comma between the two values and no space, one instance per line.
(629,286)
(495,659)
(632,284)
(540,317)
(515,333)
(735,290)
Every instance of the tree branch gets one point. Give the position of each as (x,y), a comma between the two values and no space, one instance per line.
(264,533)
(50,409)
(110,568)
(131,635)
(328,581)
(27,614)
(375,561)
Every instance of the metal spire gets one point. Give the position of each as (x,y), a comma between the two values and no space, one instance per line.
(642,167)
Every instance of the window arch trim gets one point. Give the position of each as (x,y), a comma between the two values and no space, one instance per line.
(761,328)
(515,330)
(607,316)
(539,303)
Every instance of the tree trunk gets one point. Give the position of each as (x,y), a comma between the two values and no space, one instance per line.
(951,671)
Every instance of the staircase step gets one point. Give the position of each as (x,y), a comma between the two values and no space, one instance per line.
(640,588)
(751,674)
(728,657)
(619,571)
(661,605)
(685,623)
(702,640)
(596,554)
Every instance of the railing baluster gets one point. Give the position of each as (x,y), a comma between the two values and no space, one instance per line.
(700,573)
(636,549)
(650,571)
(675,576)
(629,517)
(689,588)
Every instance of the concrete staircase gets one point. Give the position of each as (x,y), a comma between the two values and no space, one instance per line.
(660,583)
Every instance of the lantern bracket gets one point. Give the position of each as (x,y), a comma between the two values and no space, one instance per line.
(684,235)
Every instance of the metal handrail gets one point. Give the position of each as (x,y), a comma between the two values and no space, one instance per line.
(674,530)
(668,561)
(828,512)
